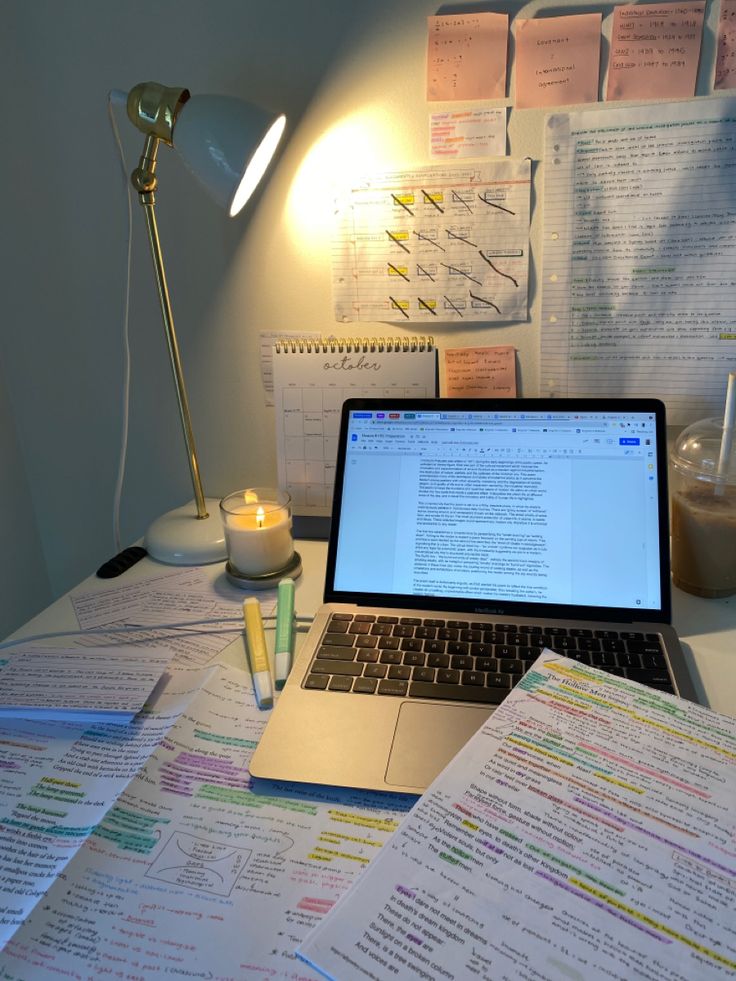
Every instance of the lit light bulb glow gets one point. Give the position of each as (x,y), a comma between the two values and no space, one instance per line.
(257,165)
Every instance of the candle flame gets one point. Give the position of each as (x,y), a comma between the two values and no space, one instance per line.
(260,517)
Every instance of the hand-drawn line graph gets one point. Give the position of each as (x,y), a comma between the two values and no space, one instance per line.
(436,243)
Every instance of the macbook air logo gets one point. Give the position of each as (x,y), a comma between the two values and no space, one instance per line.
(488,609)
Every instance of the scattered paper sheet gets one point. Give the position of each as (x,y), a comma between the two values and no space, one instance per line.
(59,780)
(119,602)
(725,77)
(186,595)
(468,133)
(586,831)
(186,646)
(655,50)
(557,60)
(160,606)
(435,244)
(95,684)
(466,56)
(480,372)
(193,874)
(639,255)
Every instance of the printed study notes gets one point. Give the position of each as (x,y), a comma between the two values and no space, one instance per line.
(190,873)
(59,780)
(586,831)
(639,254)
(104,684)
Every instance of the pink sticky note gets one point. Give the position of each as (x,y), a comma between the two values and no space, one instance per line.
(557,60)
(466,56)
(726,57)
(655,50)
(480,372)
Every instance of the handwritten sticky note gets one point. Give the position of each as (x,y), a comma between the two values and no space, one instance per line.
(466,56)
(470,133)
(480,372)
(726,56)
(557,60)
(655,50)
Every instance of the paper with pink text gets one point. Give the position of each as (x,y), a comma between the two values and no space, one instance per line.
(655,50)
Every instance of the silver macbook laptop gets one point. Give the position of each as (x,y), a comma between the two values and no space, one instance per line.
(466,536)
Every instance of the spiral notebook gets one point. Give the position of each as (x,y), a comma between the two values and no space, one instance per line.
(312,379)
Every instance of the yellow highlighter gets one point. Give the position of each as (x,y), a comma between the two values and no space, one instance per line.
(257,653)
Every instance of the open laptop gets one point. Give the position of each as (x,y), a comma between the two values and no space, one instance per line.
(466,536)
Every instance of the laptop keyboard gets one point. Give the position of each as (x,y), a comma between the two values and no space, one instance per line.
(466,661)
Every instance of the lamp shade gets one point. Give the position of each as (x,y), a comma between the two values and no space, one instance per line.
(227,144)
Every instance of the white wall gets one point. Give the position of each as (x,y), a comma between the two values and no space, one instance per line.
(24,582)
(350,75)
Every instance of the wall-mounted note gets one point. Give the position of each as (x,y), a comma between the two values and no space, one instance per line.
(557,60)
(466,56)
(655,50)
(726,57)
(437,244)
(480,372)
(468,133)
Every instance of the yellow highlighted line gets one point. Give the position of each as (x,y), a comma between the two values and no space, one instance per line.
(334,838)
(653,924)
(619,783)
(536,749)
(361,820)
(566,672)
(327,854)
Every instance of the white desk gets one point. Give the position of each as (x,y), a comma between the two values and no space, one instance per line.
(707,627)
(105,887)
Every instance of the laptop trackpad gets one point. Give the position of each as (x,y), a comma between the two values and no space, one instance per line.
(427,737)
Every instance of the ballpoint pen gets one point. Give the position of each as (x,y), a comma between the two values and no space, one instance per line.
(257,652)
(284,648)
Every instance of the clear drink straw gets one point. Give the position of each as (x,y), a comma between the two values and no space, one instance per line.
(729,417)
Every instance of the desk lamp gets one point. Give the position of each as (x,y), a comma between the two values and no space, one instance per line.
(227,144)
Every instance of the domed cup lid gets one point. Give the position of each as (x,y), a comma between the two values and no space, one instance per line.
(700,452)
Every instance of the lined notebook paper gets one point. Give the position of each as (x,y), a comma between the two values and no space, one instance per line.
(311,382)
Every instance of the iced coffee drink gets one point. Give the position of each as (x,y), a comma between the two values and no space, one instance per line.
(704,539)
(703,515)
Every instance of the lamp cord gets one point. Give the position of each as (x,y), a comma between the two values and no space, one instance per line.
(111,99)
(302,623)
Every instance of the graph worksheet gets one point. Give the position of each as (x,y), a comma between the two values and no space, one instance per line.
(437,244)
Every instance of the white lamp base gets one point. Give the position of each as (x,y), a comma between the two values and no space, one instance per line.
(181,538)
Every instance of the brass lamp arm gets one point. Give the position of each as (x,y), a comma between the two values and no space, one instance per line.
(144,181)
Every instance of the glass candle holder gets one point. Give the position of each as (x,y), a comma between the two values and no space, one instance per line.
(258,535)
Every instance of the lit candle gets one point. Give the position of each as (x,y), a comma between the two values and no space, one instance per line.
(258,530)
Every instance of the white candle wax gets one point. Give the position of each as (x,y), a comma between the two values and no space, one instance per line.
(258,544)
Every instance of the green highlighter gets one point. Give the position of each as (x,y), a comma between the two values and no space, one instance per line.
(284,648)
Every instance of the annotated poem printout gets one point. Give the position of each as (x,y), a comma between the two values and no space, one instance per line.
(585,831)
(191,873)
(640,254)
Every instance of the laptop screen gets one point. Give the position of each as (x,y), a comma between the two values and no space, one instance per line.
(556,505)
